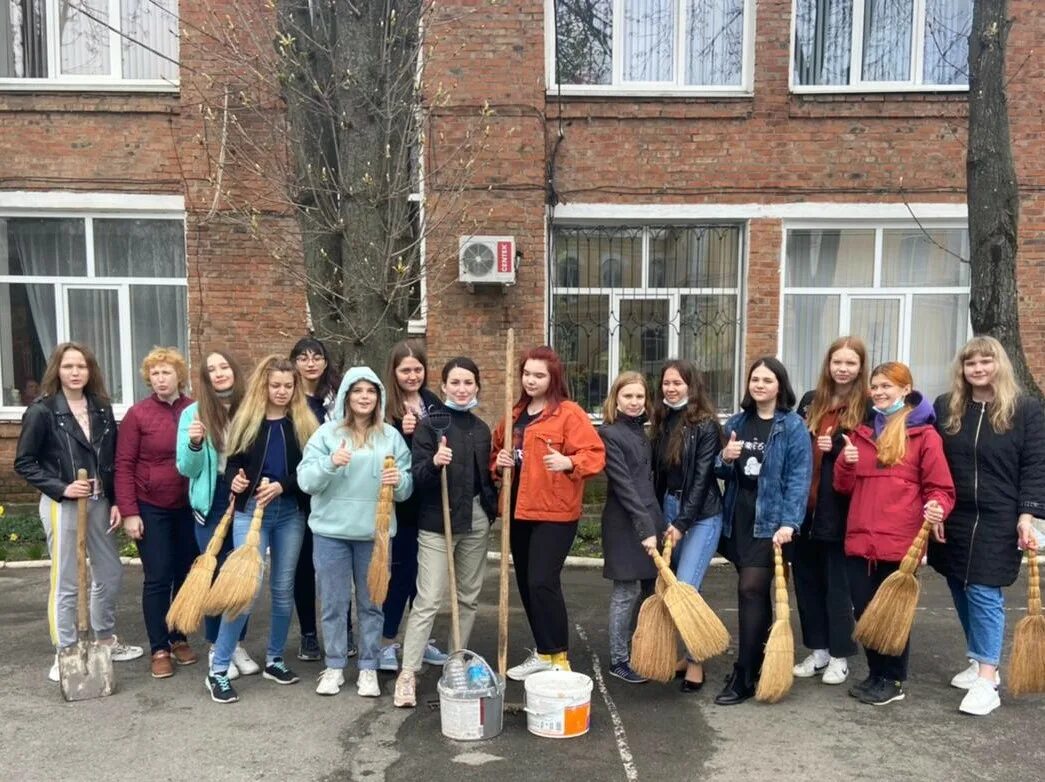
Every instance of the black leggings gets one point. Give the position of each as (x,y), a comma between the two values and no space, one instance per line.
(864,579)
(756,617)
(539,550)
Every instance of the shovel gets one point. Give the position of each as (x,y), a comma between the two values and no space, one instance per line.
(85,668)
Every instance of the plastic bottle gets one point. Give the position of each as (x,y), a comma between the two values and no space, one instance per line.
(478,678)
(455,677)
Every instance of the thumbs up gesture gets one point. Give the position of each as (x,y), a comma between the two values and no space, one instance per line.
(410,421)
(849,453)
(732,450)
(823,442)
(342,456)
(197,431)
(240,482)
(443,454)
(555,461)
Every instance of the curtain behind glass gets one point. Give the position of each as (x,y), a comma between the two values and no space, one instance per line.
(159,318)
(94,319)
(584,41)
(153,23)
(823,41)
(715,42)
(887,40)
(139,248)
(84,37)
(946,52)
(649,40)
(23,42)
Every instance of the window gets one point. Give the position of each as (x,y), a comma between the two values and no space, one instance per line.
(630,297)
(116,284)
(615,45)
(881,44)
(901,289)
(88,41)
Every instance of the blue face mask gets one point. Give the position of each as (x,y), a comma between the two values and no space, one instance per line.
(462,408)
(894,407)
(677,405)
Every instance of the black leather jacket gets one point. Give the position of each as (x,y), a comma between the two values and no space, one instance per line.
(701,496)
(52,446)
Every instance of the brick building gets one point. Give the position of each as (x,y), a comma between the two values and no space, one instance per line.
(718,179)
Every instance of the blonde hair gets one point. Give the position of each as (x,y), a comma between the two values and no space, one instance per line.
(170,356)
(609,407)
(247,422)
(375,423)
(892,442)
(1006,387)
(855,400)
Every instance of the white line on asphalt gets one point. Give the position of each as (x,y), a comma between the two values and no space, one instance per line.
(630,772)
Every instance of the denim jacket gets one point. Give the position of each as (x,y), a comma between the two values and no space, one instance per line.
(783,482)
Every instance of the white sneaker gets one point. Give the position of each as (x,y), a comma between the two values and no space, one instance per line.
(53,675)
(121,652)
(981,699)
(243,662)
(330,681)
(970,676)
(808,668)
(837,671)
(366,684)
(230,674)
(387,660)
(406,690)
(532,664)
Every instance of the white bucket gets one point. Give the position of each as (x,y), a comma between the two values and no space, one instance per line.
(558,704)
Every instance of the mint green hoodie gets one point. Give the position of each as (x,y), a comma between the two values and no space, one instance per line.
(344,499)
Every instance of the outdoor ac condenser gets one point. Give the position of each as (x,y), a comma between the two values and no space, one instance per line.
(487,259)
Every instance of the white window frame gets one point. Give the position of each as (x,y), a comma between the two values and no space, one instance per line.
(858,85)
(651,89)
(91,206)
(113,82)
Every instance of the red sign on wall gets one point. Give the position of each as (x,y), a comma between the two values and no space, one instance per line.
(504,257)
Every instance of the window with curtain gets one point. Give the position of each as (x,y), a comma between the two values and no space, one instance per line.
(82,41)
(659,43)
(903,290)
(881,44)
(116,284)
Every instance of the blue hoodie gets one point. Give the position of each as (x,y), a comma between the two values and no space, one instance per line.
(344,499)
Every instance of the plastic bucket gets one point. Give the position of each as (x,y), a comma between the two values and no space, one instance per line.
(466,715)
(558,704)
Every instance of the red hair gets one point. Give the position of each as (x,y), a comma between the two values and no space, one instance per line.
(557,388)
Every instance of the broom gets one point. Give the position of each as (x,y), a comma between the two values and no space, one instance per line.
(186,612)
(702,632)
(506,513)
(1027,666)
(886,623)
(779,662)
(234,589)
(378,573)
(653,645)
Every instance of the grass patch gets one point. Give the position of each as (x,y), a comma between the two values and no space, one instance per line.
(22,536)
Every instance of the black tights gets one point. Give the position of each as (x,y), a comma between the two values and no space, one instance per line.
(756,617)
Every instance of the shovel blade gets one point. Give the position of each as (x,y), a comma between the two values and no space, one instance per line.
(85,671)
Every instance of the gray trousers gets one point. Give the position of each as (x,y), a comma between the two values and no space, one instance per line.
(624,605)
(469,552)
(59,521)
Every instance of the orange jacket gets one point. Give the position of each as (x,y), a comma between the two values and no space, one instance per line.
(553,496)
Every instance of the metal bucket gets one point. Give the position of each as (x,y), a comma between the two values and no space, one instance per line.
(468,714)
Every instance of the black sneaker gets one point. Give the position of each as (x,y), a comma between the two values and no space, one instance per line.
(860,688)
(882,691)
(624,672)
(308,649)
(279,672)
(220,690)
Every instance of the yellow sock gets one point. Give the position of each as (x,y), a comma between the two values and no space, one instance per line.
(561,661)
(546,658)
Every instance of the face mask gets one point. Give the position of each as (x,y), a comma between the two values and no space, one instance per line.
(462,408)
(895,406)
(679,404)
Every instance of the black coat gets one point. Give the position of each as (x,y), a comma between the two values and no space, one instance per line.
(467,475)
(996,478)
(701,497)
(406,511)
(826,520)
(632,512)
(52,446)
(253,461)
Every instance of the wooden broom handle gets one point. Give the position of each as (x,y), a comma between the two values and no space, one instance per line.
(506,510)
(81,558)
(448,533)
(1033,584)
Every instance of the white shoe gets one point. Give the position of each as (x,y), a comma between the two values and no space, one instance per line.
(531,665)
(808,668)
(330,681)
(981,699)
(366,684)
(406,690)
(121,652)
(231,673)
(970,675)
(243,662)
(53,675)
(837,671)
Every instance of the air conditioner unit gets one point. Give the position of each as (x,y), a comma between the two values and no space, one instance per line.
(486,259)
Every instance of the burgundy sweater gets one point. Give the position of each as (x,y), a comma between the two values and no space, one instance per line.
(145,468)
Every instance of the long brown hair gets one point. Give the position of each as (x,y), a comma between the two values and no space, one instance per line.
(1006,387)
(854,402)
(892,442)
(211,408)
(699,408)
(247,422)
(52,384)
(396,407)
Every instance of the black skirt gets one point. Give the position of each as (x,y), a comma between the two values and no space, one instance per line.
(742,548)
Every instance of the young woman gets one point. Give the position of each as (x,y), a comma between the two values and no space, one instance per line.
(265,440)
(319,381)
(343,471)
(408,405)
(994,441)
(71,426)
(895,471)
(837,406)
(153,500)
(687,436)
(202,431)
(766,464)
(554,448)
(464,452)
(631,519)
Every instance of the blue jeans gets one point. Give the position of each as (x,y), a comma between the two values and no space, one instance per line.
(694,552)
(282,528)
(339,564)
(204,532)
(981,610)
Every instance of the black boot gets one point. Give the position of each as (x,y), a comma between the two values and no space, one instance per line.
(737,690)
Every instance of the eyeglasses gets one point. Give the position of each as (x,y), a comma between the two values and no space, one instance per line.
(306,359)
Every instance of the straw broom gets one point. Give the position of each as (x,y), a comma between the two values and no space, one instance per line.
(702,632)
(886,624)
(506,512)
(1027,666)
(234,589)
(778,665)
(653,645)
(378,573)
(186,612)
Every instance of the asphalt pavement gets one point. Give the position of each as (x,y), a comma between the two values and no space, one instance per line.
(170,730)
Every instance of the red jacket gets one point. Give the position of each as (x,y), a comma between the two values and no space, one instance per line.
(145,468)
(885,513)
